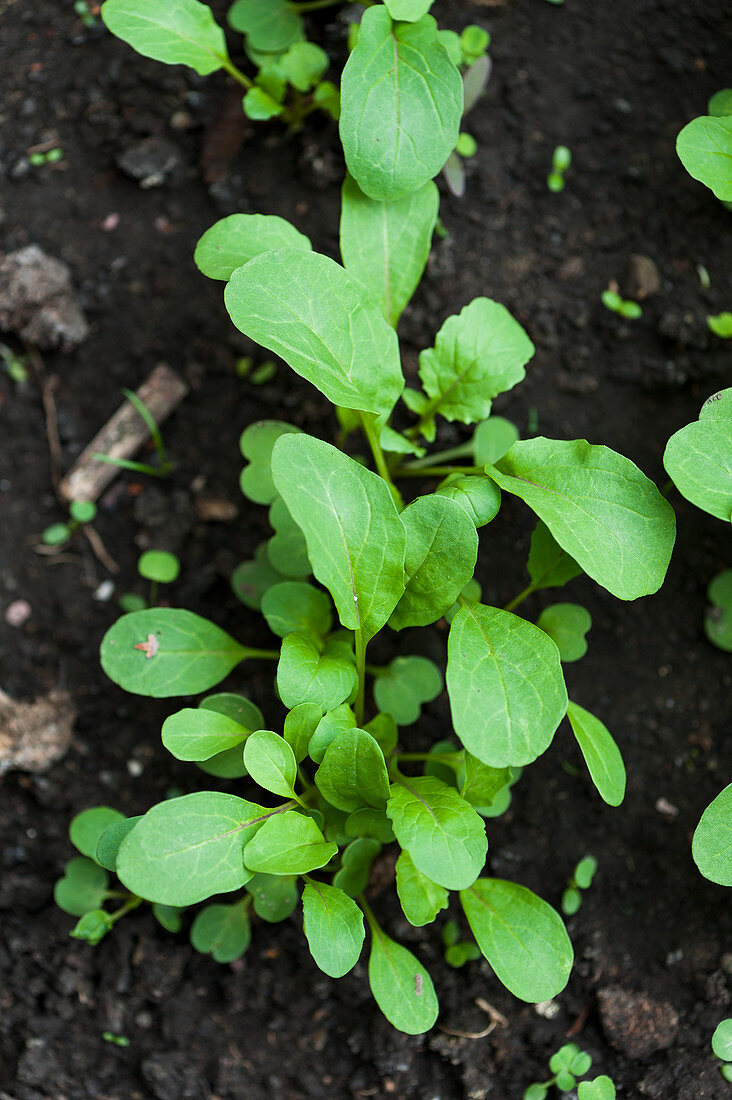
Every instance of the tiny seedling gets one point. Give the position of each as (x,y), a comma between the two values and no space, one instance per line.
(164,467)
(115,1040)
(14,364)
(50,156)
(80,512)
(561,160)
(720,324)
(580,880)
(458,952)
(722,1047)
(611,300)
(158,567)
(566,1066)
(704,146)
(84,10)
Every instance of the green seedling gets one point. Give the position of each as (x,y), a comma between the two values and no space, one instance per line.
(84,11)
(722,1047)
(610,298)
(365,548)
(561,160)
(458,952)
(109,1036)
(704,146)
(50,156)
(158,567)
(14,364)
(720,324)
(80,512)
(164,467)
(580,880)
(566,1065)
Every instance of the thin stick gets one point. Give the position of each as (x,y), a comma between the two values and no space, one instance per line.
(47,386)
(122,435)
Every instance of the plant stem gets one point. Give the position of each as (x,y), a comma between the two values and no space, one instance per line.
(377,670)
(237,74)
(314,5)
(521,597)
(263,654)
(368,913)
(464,450)
(436,471)
(132,902)
(367,422)
(361,670)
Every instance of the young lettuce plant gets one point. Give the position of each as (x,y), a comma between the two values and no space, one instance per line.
(704,146)
(319,797)
(698,459)
(404,88)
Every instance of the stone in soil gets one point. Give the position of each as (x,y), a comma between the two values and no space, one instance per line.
(636,1024)
(38,301)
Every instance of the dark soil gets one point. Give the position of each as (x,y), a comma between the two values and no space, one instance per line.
(615,82)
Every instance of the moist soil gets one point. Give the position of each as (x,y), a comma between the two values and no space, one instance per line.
(615,82)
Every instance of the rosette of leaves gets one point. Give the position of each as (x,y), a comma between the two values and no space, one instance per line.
(316,801)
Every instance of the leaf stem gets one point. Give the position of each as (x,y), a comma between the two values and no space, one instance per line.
(521,597)
(436,471)
(132,902)
(367,422)
(237,74)
(368,913)
(361,670)
(263,654)
(464,450)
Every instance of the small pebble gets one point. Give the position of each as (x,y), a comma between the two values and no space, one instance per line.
(17,613)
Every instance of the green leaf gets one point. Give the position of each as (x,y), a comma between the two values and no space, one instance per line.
(170,917)
(536,1091)
(165,651)
(271,762)
(408,683)
(602,1088)
(309,673)
(478,354)
(251,579)
(259,106)
(356,861)
(158,565)
(722,1040)
(386,244)
(401,104)
(222,931)
(188,848)
(458,954)
(82,888)
(383,729)
(287,550)
(256,443)
(522,937)
(421,899)
(718,619)
(304,64)
(87,827)
(182,32)
(270,26)
(506,688)
(333,926)
(354,534)
(442,833)
(720,103)
(401,986)
(698,457)
(567,624)
(295,605)
(482,782)
(478,496)
(370,824)
(549,566)
(598,506)
(492,439)
(110,840)
(229,764)
(200,733)
(330,725)
(601,754)
(712,844)
(307,309)
(409,10)
(441,552)
(300,725)
(720,324)
(288,844)
(584,872)
(275,896)
(93,926)
(704,147)
(353,772)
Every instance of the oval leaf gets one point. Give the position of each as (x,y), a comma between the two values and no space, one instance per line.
(598,506)
(521,936)
(165,651)
(199,733)
(705,150)
(333,926)
(421,899)
(180,33)
(602,755)
(698,458)
(222,931)
(401,986)
(506,688)
(310,311)
(353,772)
(289,844)
(233,241)
(712,844)
(271,762)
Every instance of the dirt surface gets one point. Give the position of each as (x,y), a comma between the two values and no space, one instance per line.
(615,83)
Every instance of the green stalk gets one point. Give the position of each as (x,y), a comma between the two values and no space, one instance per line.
(263,654)
(361,670)
(521,597)
(436,471)
(237,74)
(367,422)
(465,450)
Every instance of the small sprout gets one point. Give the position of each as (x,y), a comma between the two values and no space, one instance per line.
(166,466)
(159,566)
(80,512)
(704,279)
(130,601)
(474,41)
(722,1047)
(720,324)
(50,156)
(458,952)
(613,301)
(582,878)
(92,927)
(117,1040)
(14,364)
(561,160)
(84,11)
(466,145)
(263,373)
(567,1064)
